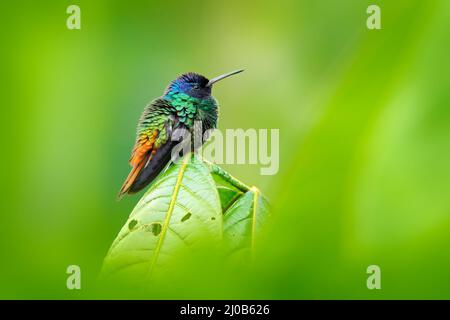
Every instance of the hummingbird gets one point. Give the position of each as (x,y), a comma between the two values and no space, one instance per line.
(186,100)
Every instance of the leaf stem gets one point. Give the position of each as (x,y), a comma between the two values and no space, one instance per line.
(215,169)
(255,210)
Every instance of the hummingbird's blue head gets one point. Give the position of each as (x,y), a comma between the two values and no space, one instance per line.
(192,84)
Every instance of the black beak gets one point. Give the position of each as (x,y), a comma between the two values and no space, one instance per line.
(226,75)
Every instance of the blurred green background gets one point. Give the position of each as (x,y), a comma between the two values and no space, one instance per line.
(364,119)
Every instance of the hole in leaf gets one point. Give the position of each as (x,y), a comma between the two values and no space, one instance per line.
(132,224)
(186,216)
(155,228)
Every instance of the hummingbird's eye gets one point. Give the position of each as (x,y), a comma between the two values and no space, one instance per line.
(196,86)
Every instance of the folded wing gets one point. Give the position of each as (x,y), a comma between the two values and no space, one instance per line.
(152,150)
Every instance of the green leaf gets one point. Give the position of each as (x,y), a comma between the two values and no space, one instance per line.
(181,210)
(243,221)
(191,204)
